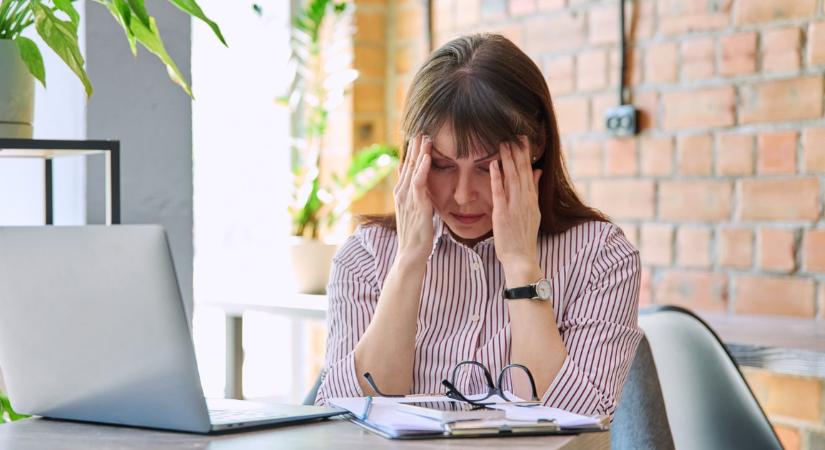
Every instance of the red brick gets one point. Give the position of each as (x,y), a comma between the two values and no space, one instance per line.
(698,291)
(621,157)
(560,75)
(556,32)
(469,13)
(777,152)
(734,154)
(603,24)
(369,98)
(784,296)
(748,12)
(648,106)
(695,154)
(624,199)
(736,248)
(591,70)
(816,43)
(788,437)
(511,30)
(521,7)
(679,17)
(698,58)
(656,244)
(573,114)
(783,100)
(781,49)
(693,247)
(657,155)
(782,199)
(709,200)
(738,54)
(599,105)
(777,249)
(787,396)
(587,159)
(813,150)
(660,63)
(813,251)
(700,108)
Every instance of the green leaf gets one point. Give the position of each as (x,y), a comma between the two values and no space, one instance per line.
(61,36)
(150,38)
(67,7)
(192,8)
(139,9)
(123,14)
(32,58)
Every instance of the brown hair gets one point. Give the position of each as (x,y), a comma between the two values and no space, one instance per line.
(490,92)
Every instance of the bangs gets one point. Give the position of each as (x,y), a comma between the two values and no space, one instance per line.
(481,118)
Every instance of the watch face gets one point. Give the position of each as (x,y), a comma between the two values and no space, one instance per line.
(543,289)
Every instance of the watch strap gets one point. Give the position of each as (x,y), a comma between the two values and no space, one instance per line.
(520,292)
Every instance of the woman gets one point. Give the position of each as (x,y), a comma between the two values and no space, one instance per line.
(484,210)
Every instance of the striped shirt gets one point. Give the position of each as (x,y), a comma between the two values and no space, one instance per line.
(595,276)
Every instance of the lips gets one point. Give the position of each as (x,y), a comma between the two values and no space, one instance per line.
(467,218)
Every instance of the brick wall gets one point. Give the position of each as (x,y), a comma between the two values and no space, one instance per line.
(722,191)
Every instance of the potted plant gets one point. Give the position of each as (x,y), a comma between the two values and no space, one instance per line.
(322,72)
(56,22)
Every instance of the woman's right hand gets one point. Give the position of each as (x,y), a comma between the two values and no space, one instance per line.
(413,205)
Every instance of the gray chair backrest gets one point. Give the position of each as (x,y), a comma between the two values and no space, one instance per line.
(709,404)
(640,421)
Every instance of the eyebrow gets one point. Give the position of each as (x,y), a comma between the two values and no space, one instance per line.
(488,157)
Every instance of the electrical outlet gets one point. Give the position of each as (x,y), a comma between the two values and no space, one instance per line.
(622,120)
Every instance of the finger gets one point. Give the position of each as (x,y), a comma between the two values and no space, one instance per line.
(421,172)
(497,187)
(523,162)
(510,171)
(409,162)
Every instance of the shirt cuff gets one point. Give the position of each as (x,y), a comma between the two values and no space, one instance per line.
(339,380)
(572,391)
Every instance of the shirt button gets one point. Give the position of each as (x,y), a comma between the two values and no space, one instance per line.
(474,318)
(474,266)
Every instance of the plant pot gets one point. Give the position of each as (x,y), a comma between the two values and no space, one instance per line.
(16,93)
(311,263)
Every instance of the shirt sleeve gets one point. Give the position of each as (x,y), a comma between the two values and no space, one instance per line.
(600,331)
(352,293)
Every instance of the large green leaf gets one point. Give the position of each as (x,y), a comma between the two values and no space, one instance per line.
(123,14)
(150,38)
(139,9)
(32,58)
(61,36)
(67,7)
(192,8)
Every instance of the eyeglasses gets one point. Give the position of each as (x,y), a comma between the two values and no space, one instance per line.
(473,369)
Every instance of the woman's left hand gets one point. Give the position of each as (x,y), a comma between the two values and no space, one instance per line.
(516,214)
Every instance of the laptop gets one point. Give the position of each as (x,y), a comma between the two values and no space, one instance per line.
(93,328)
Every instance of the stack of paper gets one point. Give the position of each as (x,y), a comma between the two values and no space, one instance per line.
(383,416)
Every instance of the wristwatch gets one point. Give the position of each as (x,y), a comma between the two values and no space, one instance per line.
(540,290)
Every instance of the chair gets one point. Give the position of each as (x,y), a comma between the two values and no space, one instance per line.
(640,421)
(709,404)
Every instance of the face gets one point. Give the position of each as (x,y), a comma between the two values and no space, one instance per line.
(460,189)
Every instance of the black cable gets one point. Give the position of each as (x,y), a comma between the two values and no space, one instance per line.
(622,54)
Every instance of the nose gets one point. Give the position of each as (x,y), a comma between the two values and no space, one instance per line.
(465,190)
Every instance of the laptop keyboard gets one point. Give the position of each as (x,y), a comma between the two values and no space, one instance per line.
(242,415)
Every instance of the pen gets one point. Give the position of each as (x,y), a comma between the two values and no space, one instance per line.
(367,408)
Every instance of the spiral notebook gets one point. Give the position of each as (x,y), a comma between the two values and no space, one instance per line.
(382,416)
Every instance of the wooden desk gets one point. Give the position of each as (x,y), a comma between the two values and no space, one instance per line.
(42,434)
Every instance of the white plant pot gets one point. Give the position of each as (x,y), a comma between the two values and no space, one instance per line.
(16,93)
(311,263)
